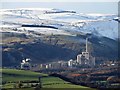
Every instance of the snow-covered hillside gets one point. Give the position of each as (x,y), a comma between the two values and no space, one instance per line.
(65,22)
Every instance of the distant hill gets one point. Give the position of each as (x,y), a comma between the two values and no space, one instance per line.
(53,48)
(48,34)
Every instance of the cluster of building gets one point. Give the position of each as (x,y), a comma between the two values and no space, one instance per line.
(54,65)
(83,59)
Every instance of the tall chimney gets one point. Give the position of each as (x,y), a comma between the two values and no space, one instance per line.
(86,44)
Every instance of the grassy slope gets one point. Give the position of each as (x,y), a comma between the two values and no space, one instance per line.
(22,72)
(17,75)
(47,82)
(55,82)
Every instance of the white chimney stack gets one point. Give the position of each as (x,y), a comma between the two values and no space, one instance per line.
(86,44)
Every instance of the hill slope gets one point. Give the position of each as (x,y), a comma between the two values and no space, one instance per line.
(53,48)
(46,35)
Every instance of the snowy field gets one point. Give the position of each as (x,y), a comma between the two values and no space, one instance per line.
(67,22)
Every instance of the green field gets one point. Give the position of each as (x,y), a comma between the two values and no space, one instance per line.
(55,82)
(19,75)
(12,75)
(48,80)
(21,72)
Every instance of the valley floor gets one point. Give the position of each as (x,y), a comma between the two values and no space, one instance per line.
(27,80)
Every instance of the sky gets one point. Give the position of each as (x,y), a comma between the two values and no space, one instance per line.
(60,0)
(80,7)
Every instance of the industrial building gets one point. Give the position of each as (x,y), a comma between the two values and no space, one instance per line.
(83,59)
(25,64)
(70,63)
(86,58)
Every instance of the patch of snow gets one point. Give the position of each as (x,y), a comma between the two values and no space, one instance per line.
(101,24)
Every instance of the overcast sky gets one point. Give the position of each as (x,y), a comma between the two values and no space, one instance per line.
(59,0)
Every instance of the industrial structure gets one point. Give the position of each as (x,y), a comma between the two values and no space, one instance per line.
(25,64)
(86,58)
(83,59)
(70,63)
